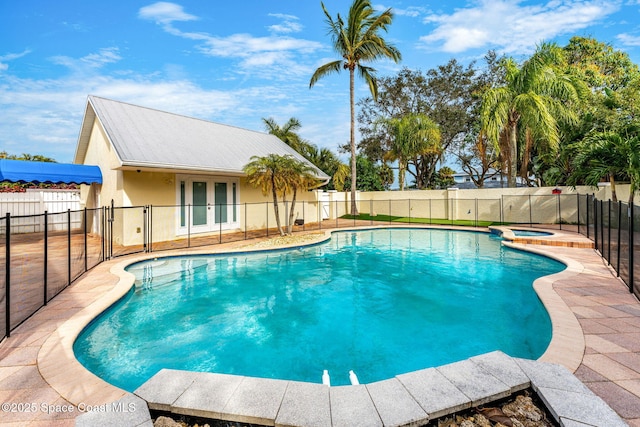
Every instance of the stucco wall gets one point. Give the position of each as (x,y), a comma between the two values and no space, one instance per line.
(535,205)
(100,153)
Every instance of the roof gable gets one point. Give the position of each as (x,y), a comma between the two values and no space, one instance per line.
(144,137)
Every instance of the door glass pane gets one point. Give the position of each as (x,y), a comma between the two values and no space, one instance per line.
(234,195)
(221,202)
(183,203)
(199,203)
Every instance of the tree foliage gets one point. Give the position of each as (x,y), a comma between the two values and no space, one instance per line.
(537,96)
(412,136)
(444,94)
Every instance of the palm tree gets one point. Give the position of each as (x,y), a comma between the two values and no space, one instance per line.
(280,175)
(605,155)
(536,97)
(412,135)
(298,176)
(357,41)
(287,133)
(325,160)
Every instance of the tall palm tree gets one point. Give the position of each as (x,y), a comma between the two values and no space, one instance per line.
(536,97)
(280,175)
(357,41)
(411,136)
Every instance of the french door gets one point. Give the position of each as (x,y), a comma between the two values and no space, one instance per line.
(207,204)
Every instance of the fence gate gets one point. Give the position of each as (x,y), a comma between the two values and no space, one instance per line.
(324,202)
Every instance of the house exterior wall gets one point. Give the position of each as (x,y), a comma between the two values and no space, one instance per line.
(100,153)
(160,189)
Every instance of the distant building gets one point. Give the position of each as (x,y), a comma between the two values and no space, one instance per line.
(464,182)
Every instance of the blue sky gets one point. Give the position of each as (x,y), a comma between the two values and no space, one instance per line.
(235,62)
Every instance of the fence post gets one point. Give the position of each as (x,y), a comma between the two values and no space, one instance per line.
(68,247)
(84,228)
(112,218)
(220,222)
(103,230)
(409,211)
(609,232)
(267,206)
(619,237)
(595,223)
(631,249)
(46,255)
(476,219)
(189,225)
(578,210)
(245,220)
(150,228)
(602,228)
(144,228)
(7,277)
(559,212)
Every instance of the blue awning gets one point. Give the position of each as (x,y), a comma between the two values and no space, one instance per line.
(50,173)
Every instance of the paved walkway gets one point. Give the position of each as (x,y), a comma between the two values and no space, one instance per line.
(608,314)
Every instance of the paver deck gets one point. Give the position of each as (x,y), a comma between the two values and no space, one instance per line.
(40,381)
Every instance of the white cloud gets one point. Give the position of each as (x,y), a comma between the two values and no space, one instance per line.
(43,116)
(511,26)
(289,24)
(411,11)
(165,13)
(628,39)
(104,56)
(10,57)
(275,56)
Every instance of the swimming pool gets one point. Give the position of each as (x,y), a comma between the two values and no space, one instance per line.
(379,302)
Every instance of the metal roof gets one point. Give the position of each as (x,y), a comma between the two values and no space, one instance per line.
(46,172)
(147,138)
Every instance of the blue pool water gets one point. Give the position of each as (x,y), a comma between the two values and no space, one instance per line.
(531,233)
(380,302)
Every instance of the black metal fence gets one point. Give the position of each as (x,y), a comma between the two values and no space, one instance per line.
(43,254)
(615,229)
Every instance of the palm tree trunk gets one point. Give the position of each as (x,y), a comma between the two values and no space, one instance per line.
(276,210)
(524,171)
(293,206)
(401,173)
(612,180)
(354,208)
(512,163)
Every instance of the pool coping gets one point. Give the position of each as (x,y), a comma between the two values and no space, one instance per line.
(555,238)
(566,347)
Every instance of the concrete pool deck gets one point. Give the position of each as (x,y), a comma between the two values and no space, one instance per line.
(600,341)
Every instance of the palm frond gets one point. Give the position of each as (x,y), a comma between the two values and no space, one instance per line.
(324,70)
